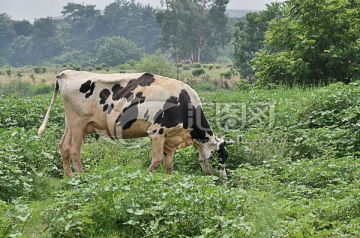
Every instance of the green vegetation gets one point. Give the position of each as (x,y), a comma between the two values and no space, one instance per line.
(300,42)
(294,172)
(294,169)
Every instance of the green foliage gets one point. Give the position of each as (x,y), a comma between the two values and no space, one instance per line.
(133,203)
(226,75)
(294,173)
(198,72)
(193,26)
(8,72)
(330,124)
(138,23)
(5,223)
(117,50)
(314,43)
(156,64)
(39,69)
(249,37)
(24,89)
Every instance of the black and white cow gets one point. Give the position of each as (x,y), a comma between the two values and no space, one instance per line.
(123,106)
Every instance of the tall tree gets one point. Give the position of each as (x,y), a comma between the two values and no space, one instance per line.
(189,27)
(7,35)
(81,31)
(133,21)
(249,36)
(44,43)
(117,50)
(317,42)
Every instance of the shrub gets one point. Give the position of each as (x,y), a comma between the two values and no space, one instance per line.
(41,88)
(8,72)
(156,64)
(330,123)
(196,66)
(226,75)
(198,72)
(39,69)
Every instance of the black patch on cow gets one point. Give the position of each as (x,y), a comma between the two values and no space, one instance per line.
(201,128)
(105,107)
(161,131)
(126,92)
(88,88)
(174,111)
(130,113)
(104,94)
(180,110)
(116,88)
(222,153)
(108,108)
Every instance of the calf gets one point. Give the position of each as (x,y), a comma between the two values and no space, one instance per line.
(123,106)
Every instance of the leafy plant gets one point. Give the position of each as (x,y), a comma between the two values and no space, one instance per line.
(198,72)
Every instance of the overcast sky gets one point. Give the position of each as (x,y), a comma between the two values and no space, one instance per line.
(31,9)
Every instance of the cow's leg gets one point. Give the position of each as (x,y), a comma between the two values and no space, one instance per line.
(70,145)
(65,152)
(157,143)
(168,154)
(76,142)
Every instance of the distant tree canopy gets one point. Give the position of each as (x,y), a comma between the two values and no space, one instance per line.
(117,50)
(83,37)
(249,36)
(313,42)
(190,27)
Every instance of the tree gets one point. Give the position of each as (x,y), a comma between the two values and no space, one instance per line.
(133,21)
(20,51)
(117,50)
(156,64)
(22,28)
(249,36)
(7,35)
(44,43)
(192,26)
(81,32)
(317,42)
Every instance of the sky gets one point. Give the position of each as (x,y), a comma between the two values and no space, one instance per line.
(32,9)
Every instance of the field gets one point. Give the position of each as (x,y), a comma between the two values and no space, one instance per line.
(293,172)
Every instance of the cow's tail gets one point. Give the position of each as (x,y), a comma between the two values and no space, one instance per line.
(43,125)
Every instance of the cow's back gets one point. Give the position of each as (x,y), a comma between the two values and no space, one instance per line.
(126,105)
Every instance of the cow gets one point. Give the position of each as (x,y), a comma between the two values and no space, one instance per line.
(134,105)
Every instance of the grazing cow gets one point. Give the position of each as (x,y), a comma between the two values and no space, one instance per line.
(123,106)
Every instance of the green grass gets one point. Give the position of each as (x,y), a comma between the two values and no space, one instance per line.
(297,176)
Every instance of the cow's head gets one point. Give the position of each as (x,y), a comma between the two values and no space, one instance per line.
(210,150)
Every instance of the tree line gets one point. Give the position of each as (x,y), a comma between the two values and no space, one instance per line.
(124,31)
(296,42)
(300,42)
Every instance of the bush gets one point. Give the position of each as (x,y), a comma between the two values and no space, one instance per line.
(39,69)
(156,64)
(198,72)
(196,66)
(8,72)
(330,123)
(42,88)
(226,75)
